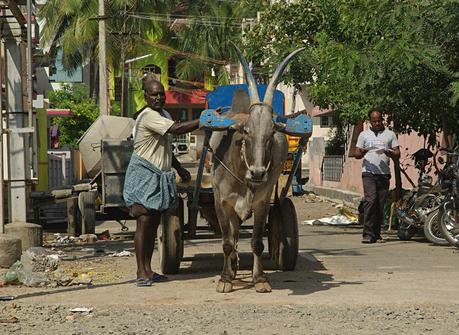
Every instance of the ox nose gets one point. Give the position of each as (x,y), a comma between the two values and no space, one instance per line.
(257,174)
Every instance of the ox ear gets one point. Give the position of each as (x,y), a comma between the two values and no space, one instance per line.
(279,126)
(237,127)
(241,102)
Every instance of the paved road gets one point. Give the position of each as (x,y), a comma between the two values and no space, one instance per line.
(339,286)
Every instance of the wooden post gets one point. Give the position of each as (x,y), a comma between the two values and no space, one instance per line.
(72,207)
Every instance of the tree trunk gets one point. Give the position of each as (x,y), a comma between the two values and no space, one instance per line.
(447,137)
(93,80)
(397,175)
(398,179)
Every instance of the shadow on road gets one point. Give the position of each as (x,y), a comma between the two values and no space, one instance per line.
(308,277)
(48,292)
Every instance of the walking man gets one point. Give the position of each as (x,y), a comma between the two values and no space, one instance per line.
(149,187)
(376,146)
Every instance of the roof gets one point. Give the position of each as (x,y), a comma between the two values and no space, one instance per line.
(317,111)
(195,97)
(59,112)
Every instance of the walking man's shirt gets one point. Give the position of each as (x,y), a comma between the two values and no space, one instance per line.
(375,161)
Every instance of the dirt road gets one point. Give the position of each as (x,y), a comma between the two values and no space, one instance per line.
(340,286)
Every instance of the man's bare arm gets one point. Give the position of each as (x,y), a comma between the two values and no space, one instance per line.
(179,128)
(182,172)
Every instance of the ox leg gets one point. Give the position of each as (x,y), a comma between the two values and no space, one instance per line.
(259,278)
(229,223)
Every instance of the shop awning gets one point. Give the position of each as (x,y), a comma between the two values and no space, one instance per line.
(193,97)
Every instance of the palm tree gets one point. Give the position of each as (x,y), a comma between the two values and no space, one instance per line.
(208,28)
(72,25)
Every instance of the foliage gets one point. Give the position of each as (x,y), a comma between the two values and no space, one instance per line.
(364,53)
(210,28)
(85,111)
(336,138)
(73,26)
(205,37)
(285,27)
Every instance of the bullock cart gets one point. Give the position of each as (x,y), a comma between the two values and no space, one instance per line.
(106,151)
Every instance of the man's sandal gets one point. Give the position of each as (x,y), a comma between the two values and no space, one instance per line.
(142,282)
(157,278)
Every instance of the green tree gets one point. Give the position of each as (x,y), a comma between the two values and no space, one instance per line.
(73,26)
(85,111)
(362,53)
(203,39)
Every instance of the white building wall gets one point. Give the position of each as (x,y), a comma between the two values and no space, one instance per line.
(303,102)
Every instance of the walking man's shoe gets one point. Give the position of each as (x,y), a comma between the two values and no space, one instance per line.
(368,239)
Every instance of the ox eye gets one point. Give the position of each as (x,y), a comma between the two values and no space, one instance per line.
(245,130)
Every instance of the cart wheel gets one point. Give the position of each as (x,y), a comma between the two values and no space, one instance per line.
(283,235)
(181,216)
(87,212)
(170,243)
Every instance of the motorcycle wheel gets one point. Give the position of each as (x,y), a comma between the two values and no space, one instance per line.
(432,228)
(449,227)
(405,233)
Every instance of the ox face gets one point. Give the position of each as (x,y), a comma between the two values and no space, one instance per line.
(258,131)
(258,136)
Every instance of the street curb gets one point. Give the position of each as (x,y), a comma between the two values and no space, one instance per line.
(350,199)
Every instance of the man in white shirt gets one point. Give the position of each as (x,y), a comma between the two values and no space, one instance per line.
(376,146)
(149,187)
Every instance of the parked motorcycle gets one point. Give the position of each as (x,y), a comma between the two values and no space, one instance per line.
(419,207)
(449,209)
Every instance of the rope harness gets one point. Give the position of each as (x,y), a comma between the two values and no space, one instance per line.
(225,167)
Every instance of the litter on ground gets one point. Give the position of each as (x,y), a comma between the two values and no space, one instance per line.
(335,220)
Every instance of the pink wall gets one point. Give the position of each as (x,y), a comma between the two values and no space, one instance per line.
(351,179)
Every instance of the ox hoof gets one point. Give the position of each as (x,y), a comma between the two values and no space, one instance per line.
(263,287)
(224,286)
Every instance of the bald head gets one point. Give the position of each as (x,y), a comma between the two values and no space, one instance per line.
(153,92)
(376,120)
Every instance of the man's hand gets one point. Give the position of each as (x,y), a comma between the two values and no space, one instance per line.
(393,153)
(360,152)
(389,152)
(184,174)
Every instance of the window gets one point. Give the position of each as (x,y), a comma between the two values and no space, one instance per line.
(326,121)
(196,113)
(182,115)
(178,114)
(151,68)
(59,75)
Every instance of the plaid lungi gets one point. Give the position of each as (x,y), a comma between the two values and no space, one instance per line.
(147,185)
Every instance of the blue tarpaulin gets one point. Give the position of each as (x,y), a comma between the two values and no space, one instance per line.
(222,96)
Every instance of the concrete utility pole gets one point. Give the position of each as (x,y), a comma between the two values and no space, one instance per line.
(28,234)
(103,82)
(123,67)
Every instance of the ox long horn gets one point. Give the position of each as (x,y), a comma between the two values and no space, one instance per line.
(253,92)
(276,76)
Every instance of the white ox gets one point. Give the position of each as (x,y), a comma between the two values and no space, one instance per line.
(247,162)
